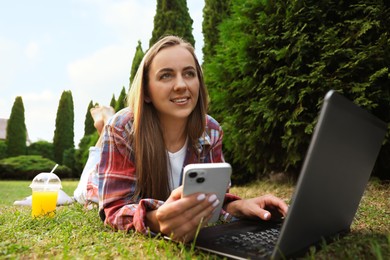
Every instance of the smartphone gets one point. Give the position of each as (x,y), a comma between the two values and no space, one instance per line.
(207,178)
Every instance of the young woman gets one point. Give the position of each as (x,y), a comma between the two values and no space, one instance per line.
(147,144)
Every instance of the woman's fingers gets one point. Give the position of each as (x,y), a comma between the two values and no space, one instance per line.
(186,233)
(187,207)
(275,204)
(182,217)
(264,207)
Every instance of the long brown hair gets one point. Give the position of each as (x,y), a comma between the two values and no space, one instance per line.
(147,138)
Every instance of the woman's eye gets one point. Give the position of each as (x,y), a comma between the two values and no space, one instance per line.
(190,74)
(165,76)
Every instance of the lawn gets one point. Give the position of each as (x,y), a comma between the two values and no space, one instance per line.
(77,233)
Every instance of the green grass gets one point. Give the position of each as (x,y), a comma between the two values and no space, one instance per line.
(76,233)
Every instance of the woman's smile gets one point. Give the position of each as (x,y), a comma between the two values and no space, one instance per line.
(181,100)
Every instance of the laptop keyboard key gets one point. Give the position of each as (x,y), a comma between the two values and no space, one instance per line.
(253,243)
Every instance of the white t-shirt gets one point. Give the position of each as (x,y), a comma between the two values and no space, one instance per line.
(175,165)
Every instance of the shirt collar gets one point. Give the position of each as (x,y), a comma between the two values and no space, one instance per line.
(202,142)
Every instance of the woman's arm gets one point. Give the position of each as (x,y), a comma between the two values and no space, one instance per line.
(117,182)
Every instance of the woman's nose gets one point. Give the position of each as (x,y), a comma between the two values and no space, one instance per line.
(180,83)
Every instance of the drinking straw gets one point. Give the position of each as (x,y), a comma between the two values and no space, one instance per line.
(55,167)
(47,181)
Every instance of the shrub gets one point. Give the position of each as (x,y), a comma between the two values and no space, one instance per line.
(26,167)
(43,148)
(276,60)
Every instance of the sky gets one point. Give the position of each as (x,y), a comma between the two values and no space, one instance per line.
(85,46)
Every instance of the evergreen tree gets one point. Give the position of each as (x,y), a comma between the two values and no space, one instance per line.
(113,102)
(172,17)
(64,132)
(89,127)
(214,12)
(276,60)
(16,130)
(3,149)
(120,103)
(69,160)
(139,54)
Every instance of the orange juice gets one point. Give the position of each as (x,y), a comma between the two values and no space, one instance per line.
(44,203)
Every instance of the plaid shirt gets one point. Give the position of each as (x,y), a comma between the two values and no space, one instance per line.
(117,172)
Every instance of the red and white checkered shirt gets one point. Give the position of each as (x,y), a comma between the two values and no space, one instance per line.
(117,172)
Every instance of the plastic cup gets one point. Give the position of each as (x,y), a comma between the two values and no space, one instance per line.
(45,187)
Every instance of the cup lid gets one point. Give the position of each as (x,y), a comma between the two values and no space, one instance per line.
(46,180)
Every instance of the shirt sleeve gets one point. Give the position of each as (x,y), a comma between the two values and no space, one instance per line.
(216,137)
(117,182)
(225,216)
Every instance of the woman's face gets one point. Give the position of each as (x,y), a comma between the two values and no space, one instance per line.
(173,83)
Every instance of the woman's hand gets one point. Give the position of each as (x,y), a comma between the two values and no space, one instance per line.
(264,207)
(179,217)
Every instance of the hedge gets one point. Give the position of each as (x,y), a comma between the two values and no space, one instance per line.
(26,167)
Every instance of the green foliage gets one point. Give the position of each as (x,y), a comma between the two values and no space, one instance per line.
(43,148)
(89,127)
(172,17)
(138,56)
(113,102)
(274,64)
(214,12)
(120,103)
(16,136)
(3,149)
(26,167)
(69,159)
(64,132)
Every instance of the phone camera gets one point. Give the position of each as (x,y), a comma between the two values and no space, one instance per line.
(200,180)
(193,174)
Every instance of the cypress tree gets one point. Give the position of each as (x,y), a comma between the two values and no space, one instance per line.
(76,159)
(89,127)
(139,54)
(64,132)
(120,103)
(113,102)
(16,130)
(172,17)
(3,149)
(214,12)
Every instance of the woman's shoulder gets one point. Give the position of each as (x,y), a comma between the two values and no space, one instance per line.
(213,132)
(212,123)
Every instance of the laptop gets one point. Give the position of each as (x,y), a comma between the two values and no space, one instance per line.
(338,164)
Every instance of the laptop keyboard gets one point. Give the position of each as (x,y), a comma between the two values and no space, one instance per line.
(259,243)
